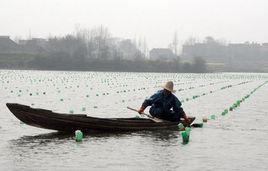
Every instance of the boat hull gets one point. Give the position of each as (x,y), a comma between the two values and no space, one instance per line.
(47,119)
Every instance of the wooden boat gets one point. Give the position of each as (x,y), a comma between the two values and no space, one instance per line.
(70,122)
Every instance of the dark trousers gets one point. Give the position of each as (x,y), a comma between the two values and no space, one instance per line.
(166,115)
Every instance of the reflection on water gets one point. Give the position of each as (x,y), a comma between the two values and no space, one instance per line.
(43,140)
(35,149)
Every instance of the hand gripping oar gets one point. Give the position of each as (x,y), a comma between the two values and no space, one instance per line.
(149,116)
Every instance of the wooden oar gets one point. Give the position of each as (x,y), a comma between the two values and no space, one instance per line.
(149,116)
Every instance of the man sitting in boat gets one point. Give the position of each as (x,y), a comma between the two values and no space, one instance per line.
(162,102)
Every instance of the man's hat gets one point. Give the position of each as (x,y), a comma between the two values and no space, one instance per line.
(169,86)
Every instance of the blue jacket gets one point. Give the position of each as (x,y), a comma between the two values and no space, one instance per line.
(159,100)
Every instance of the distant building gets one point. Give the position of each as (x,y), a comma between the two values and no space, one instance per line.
(8,46)
(234,56)
(216,52)
(245,51)
(34,45)
(210,52)
(264,51)
(162,54)
(265,44)
(37,41)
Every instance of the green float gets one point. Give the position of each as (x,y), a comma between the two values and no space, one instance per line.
(78,136)
(185,137)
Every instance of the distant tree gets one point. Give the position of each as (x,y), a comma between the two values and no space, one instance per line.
(96,49)
(99,40)
(209,40)
(129,50)
(191,41)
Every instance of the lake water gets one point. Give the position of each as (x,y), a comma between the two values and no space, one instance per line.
(235,141)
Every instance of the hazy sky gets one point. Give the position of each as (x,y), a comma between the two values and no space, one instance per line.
(156,20)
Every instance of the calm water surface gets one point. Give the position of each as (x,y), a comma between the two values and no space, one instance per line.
(236,141)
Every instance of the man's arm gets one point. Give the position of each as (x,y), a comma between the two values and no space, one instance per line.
(186,118)
(149,102)
(178,109)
